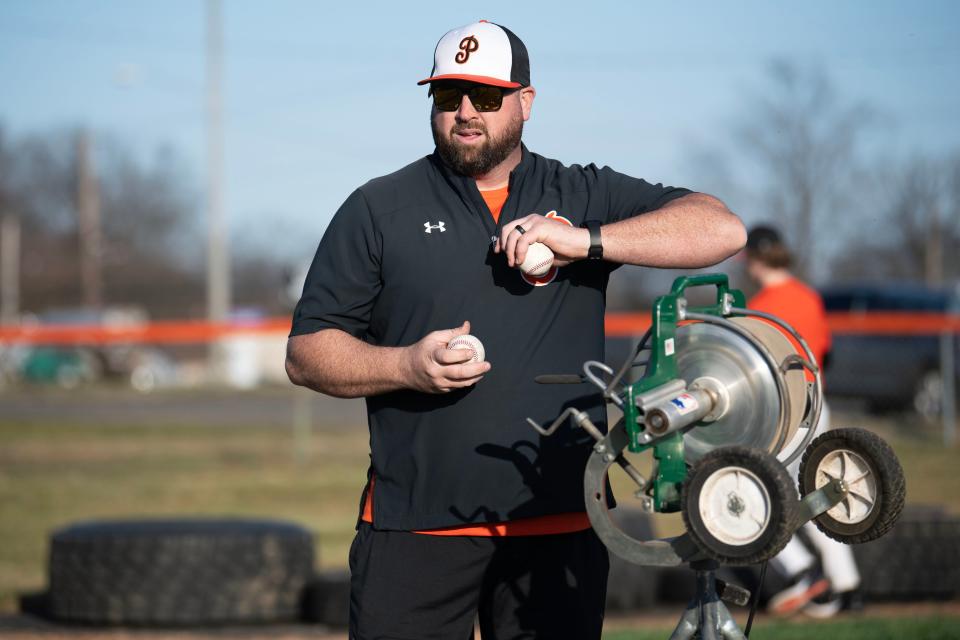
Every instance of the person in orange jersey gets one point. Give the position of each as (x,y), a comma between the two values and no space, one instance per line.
(821,573)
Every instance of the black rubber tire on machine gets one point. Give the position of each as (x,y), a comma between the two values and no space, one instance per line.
(179,572)
(874,478)
(739,505)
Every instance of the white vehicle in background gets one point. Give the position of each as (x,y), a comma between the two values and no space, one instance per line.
(293,288)
(142,367)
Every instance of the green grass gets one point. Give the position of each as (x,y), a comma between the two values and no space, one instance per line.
(926,628)
(53,475)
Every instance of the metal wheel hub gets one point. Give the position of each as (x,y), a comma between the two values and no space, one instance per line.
(708,351)
(861,483)
(735,506)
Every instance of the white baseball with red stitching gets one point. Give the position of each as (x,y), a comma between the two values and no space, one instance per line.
(470,343)
(538,260)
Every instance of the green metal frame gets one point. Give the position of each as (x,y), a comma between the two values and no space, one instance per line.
(661,369)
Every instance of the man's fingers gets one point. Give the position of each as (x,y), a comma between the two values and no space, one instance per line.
(469,382)
(511,249)
(520,250)
(515,244)
(505,232)
(452,356)
(447,385)
(466,371)
(446,335)
(460,376)
(509,234)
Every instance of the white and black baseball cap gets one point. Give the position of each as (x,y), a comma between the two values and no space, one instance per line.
(482,52)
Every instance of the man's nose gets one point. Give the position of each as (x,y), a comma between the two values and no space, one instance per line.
(466,111)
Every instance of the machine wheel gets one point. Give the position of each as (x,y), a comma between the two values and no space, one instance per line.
(874,479)
(738,505)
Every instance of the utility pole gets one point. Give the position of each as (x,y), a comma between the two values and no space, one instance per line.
(218,257)
(89,226)
(9,267)
(933,258)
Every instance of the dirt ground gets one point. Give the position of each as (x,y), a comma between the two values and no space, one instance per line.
(23,627)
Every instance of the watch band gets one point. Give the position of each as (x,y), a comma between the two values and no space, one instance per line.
(596,247)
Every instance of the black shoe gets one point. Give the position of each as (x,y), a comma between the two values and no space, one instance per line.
(829,604)
(852,600)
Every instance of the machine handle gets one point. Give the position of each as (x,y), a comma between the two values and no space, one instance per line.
(719,279)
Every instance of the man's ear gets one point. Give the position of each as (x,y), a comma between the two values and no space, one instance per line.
(527,94)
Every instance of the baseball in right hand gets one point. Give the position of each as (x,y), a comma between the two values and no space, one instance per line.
(538,260)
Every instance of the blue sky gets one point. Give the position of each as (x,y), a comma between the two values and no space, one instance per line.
(322,97)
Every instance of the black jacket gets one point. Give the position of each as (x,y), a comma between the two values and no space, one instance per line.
(410,253)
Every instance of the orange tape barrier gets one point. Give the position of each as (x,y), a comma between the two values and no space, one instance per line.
(623,325)
(874,323)
(894,323)
(182,332)
(616,325)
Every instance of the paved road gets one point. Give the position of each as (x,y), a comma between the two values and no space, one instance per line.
(269,407)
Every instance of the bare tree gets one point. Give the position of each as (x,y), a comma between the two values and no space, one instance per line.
(146,218)
(39,189)
(790,159)
(803,137)
(917,236)
(152,238)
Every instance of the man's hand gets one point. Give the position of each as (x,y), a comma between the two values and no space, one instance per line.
(432,368)
(567,243)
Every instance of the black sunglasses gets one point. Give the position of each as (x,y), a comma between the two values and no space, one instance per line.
(483,97)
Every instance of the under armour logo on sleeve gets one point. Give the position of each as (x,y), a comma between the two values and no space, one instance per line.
(428,228)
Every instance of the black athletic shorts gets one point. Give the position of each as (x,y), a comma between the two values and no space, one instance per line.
(411,586)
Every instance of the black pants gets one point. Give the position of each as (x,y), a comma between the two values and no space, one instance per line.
(410,586)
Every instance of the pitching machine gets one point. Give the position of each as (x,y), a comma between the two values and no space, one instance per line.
(724,404)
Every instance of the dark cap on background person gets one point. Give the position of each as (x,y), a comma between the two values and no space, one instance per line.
(481,52)
(762,237)
(765,244)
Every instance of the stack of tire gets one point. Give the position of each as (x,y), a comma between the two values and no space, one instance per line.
(919,559)
(228,571)
(179,572)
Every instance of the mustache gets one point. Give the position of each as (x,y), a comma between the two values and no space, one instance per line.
(473,125)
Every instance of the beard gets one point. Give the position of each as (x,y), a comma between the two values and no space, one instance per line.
(476,160)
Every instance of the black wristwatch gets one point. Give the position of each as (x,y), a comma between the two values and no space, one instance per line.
(596,247)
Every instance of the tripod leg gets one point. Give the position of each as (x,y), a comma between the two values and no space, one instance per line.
(706,617)
(689,622)
(727,625)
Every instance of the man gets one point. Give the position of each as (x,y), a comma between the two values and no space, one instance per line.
(822,584)
(468,512)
